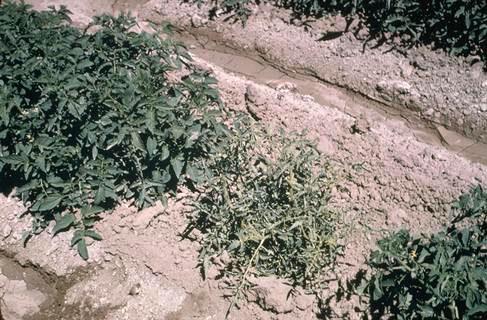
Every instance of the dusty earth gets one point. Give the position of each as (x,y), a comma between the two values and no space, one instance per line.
(442,90)
(391,173)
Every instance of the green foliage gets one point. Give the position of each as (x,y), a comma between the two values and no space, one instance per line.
(458,26)
(90,118)
(266,205)
(442,276)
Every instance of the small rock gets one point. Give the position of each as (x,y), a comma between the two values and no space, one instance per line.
(135,290)
(325,146)
(7,231)
(402,87)
(429,112)
(397,217)
(484,84)
(483,107)
(452,138)
(254,95)
(363,33)
(360,126)
(19,302)
(256,101)
(271,294)
(406,70)
(218,28)
(405,197)
(286,86)
(419,62)
(374,194)
(144,217)
(116,229)
(3,281)
(213,272)
(282,85)
(304,301)
(476,70)
(394,87)
(339,23)
(473,59)
(197,21)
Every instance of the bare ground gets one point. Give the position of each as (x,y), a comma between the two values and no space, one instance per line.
(143,269)
(442,90)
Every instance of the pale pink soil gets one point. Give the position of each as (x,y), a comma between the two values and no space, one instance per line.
(143,269)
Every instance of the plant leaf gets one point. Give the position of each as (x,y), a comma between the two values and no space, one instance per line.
(82,249)
(49,202)
(63,223)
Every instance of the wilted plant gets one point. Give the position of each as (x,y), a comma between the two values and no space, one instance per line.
(266,205)
(90,118)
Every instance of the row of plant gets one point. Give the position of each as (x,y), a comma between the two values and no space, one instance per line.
(438,276)
(88,119)
(458,26)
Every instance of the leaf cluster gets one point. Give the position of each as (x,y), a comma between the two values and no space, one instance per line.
(91,118)
(441,276)
(266,205)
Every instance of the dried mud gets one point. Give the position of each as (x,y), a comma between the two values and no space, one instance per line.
(444,91)
(390,174)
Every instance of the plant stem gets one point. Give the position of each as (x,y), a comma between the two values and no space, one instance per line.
(244,276)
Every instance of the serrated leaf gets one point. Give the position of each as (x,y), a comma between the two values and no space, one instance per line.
(88,211)
(426,311)
(177,166)
(63,223)
(49,202)
(296,224)
(481,308)
(82,249)
(233,245)
(137,141)
(41,163)
(100,195)
(195,174)
(151,146)
(84,64)
(77,236)
(14,159)
(94,152)
(164,153)
(92,234)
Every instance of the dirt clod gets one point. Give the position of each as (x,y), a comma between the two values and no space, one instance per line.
(271,294)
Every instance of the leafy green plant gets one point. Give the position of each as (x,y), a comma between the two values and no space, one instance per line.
(442,276)
(458,26)
(90,118)
(266,205)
